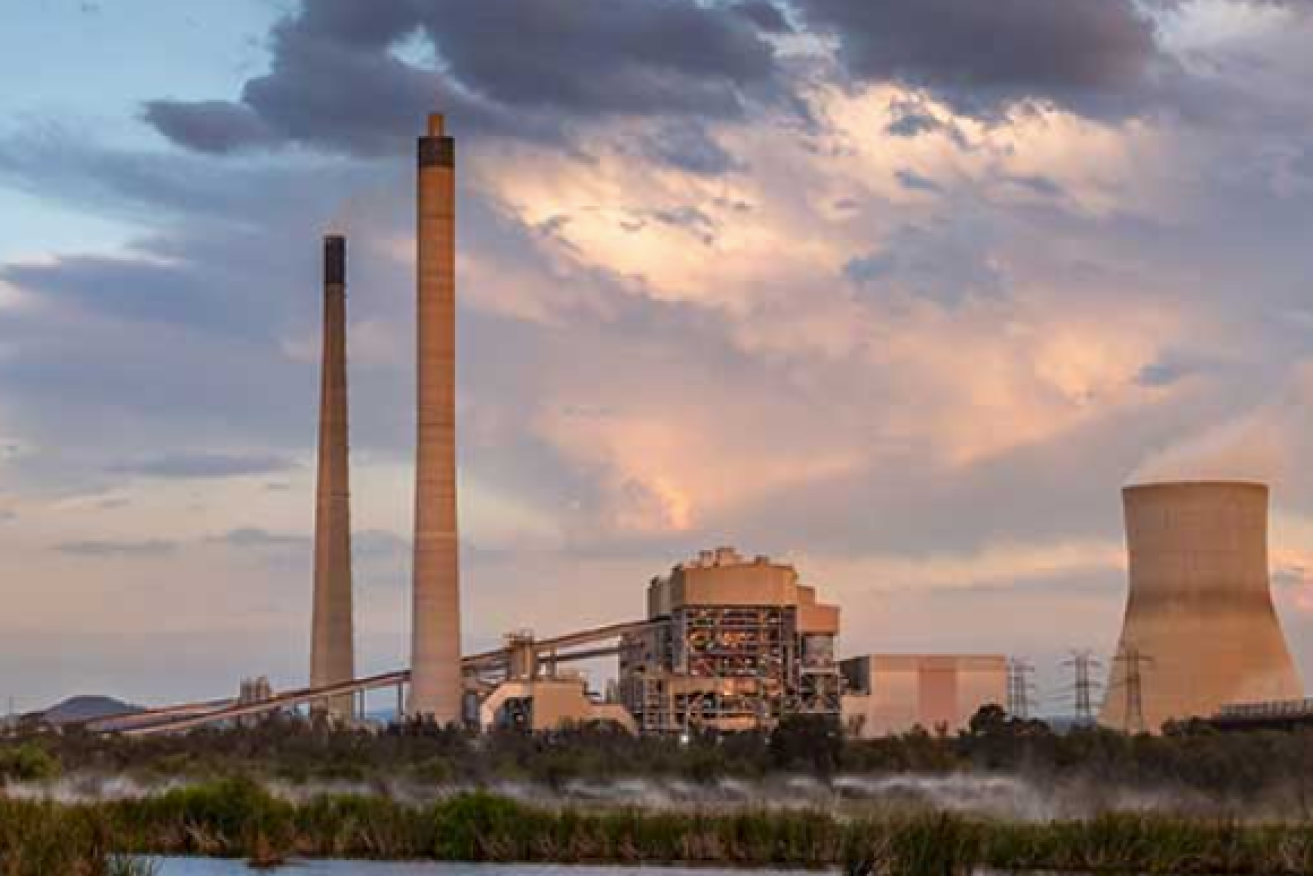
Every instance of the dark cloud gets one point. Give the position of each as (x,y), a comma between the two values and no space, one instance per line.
(209,126)
(137,290)
(764,15)
(632,57)
(1173,367)
(60,164)
(915,182)
(913,124)
(948,261)
(205,466)
(109,549)
(909,118)
(985,56)
(690,219)
(338,80)
(1039,185)
(688,147)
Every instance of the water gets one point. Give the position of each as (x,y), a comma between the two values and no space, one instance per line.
(211,867)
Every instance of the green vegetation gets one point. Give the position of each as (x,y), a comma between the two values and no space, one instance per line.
(27,762)
(945,844)
(1192,760)
(237,819)
(43,839)
(213,798)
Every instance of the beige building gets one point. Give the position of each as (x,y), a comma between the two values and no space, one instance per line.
(888,694)
(1201,630)
(740,644)
(547,703)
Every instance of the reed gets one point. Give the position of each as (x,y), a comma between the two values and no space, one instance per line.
(44,839)
(241,819)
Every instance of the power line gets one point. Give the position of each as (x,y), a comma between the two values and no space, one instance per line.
(1133,662)
(1082,664)
(1020,688)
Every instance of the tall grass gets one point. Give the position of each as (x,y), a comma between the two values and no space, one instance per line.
(43,839)
(240,819)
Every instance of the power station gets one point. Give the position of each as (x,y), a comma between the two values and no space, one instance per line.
(728,643)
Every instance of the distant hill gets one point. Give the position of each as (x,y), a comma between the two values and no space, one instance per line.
(75,710)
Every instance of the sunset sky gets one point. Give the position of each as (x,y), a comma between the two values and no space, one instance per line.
(904,291)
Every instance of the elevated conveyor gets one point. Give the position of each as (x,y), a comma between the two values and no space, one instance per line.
(191,716)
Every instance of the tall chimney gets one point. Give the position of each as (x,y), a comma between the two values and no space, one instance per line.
(435,691)
(1201,631)
(332,650)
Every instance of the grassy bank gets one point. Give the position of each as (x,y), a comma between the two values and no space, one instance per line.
(238,819)
(1272,770)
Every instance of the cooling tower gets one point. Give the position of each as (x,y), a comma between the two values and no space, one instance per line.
(332,651)
(435,691)
(1200,630)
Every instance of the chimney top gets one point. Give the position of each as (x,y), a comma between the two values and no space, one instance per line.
(335,259)
(436,124)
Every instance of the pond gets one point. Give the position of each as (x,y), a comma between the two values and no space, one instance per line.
(212,867)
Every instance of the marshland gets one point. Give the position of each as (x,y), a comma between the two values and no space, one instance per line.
(1005,795)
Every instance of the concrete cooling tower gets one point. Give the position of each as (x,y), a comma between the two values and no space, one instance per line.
(1201,630)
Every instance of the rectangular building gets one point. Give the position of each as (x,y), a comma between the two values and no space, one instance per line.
(887,694)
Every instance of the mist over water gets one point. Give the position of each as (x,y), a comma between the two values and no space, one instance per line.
(209,867)
(1004,796)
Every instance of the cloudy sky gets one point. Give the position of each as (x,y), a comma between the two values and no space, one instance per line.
(902,290)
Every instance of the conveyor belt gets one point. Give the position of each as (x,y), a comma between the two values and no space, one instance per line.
(175,719)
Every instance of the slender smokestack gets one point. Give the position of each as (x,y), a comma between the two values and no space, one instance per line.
(332,651)
(435,691)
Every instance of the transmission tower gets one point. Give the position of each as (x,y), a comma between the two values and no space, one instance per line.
(1019,688)
(1082,664)
(1133,662)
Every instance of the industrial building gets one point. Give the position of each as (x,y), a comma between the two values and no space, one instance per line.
(1201,631)
(556,701)
(733,644)
(887,694)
